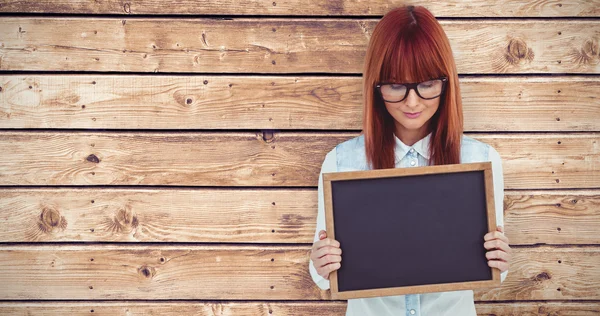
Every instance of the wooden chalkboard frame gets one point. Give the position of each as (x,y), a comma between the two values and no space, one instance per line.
(328,178)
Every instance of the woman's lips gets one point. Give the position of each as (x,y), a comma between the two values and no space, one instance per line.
(412,115)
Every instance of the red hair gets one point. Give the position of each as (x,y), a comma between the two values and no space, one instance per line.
(409,45)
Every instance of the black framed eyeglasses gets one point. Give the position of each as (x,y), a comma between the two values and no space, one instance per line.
(397,92)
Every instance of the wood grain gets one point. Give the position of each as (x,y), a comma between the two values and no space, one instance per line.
(452,8)
(538,308)
(552,217)
(207,159)
(562,161)
(198,308)
(248,215)
(336,308)
(401,172)
(158,215)
(549,273)
(282,45)
(522,103)
(531,161)
(234,272)
(128,250)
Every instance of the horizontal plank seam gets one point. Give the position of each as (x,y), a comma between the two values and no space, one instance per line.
(282,132)
(161,301)
(534,301)
(178,74)
(240,188)
(158,187)
(581,76)
(261,246)
(136,188)
(280,17)
(278,74)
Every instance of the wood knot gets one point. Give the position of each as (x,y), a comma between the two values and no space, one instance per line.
(517,50)
(50,219)
(590,48)
(147,272)
(542,277)
(92,158)
(124,221)
(588,54)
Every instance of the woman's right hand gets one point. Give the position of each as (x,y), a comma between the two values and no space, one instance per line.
(326,255)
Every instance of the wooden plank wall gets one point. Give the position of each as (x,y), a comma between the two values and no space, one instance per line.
(161,157)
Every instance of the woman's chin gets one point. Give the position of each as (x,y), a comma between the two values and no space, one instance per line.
(412,125)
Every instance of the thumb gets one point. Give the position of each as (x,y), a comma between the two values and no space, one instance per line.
(500,229)
(322,234)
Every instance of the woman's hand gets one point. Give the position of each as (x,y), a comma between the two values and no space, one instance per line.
(326,255)
(499,251)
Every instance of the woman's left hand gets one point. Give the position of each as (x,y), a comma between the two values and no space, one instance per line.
(499,251)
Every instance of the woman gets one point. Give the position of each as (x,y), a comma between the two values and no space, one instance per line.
(412,117)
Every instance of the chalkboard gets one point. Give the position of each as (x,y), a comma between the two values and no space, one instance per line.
(410,230)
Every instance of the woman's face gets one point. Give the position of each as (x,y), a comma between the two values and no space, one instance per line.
(412,114)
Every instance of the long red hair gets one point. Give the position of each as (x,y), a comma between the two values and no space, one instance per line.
(409,45)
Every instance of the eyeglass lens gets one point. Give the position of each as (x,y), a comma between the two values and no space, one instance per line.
(397,92)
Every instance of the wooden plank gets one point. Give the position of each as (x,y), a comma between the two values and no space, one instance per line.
(531,161)
(208,159)
(198,308)
(538,308)
(549,273)
(233,272)
(165,215)
(202,308)
(552,217)
(282,45)
(249,215)
(526,104)
(563,160)
(452,8)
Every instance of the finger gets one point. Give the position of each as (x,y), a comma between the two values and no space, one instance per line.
(319,253)
(495,235)
(322,234)
(497,255)
(497,244)
(326,270)
(326,242)
(328,259)
(500,228)
(501,265)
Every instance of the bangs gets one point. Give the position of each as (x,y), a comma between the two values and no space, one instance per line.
(412,57)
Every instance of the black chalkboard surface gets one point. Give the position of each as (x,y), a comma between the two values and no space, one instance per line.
(410,230)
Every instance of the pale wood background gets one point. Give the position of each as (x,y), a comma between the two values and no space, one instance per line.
(161,157)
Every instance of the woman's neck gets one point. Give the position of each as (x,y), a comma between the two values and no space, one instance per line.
(410,137)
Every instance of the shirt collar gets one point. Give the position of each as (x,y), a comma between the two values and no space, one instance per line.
(421,147)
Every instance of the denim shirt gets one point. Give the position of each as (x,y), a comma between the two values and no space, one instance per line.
(350,156)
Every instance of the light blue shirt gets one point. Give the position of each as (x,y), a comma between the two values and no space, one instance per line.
(350,156)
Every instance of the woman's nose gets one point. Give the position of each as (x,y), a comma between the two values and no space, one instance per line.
(412,99)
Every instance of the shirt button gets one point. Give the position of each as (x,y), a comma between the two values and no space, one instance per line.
(412,150)
(412,163)
(412,312)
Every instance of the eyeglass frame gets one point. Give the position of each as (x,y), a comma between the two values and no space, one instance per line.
(412,86)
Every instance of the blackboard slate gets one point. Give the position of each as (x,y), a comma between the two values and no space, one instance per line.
(411,230)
